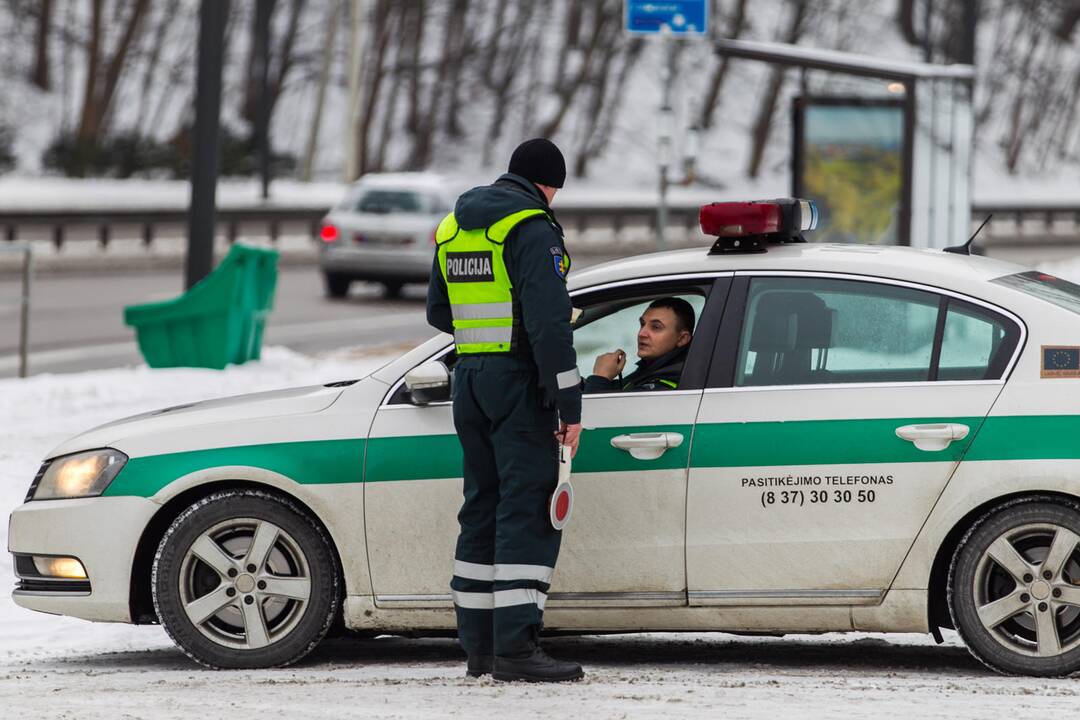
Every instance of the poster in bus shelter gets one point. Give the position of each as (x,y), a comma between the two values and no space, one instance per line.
(850,161)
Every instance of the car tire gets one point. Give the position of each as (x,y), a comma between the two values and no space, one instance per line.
(1014,588)
(337,286)
(392,290)
(245,579)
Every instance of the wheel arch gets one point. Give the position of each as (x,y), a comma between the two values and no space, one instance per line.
(140,597)
(937,604)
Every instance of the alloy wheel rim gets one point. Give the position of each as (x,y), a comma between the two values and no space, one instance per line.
(1027,590)
(245,583)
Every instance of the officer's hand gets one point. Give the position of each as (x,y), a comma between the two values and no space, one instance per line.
(569,435)
(610,364)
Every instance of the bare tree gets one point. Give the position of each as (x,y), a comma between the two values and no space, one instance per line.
(103,73)
(320,94)
(605,102)
(767,104)
(281,62)
(507,46)
(373,70)
(603,16)
(150,68)
(736,25)
(457,50)
(447,77)
(40,74)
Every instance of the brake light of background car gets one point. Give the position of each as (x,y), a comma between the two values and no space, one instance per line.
(329,233)
(434,234)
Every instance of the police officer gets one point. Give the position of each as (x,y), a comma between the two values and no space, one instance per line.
(498,283)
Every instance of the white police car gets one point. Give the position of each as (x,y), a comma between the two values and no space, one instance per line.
(864,438)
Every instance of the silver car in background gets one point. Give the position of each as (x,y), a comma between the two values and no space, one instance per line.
(383,231)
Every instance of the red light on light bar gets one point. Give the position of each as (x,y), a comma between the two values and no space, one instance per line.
(329,233)
(736,219)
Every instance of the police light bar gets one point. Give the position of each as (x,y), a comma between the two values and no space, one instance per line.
(744,226)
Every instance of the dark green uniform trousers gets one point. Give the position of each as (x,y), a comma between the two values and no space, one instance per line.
(507,548)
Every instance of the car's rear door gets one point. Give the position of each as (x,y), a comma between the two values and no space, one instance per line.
(838,408)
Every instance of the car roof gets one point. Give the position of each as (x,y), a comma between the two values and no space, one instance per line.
(928,267)
(403,180)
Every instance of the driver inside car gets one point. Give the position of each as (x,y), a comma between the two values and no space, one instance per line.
(667,327)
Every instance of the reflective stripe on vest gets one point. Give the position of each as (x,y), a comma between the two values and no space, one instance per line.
(477,281)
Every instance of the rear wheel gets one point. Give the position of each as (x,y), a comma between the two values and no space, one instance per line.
(392,290)
(244,579)
(337,286)
(1014,588)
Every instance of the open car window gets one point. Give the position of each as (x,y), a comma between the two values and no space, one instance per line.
(613,325)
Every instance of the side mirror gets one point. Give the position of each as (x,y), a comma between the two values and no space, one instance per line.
(428,383)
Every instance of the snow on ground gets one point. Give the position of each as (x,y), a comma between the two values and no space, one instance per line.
(55,667)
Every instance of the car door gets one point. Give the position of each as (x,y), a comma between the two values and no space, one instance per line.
(625,544)
(838,408)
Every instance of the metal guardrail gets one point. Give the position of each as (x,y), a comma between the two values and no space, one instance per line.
(1027,224)
(27,252)
(148,218)
(1033,222)
(578,217)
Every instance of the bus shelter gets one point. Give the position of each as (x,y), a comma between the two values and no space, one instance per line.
(886,167)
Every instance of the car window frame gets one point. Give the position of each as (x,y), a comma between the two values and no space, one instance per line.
(702,354)
(722,370)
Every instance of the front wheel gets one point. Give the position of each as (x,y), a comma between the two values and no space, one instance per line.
(244,579)
(1014,588)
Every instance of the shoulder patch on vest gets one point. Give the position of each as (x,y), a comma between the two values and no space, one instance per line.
(562,264)
(472,266)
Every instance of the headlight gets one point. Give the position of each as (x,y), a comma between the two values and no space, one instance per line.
(84,474)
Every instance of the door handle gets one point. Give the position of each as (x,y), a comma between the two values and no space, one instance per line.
(933,437)
(647,446)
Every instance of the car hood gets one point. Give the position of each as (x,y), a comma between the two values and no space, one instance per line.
(275,403)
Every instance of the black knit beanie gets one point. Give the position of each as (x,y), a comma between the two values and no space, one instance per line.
(539,161)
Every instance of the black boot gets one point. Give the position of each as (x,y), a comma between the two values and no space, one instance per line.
(538,667)
(479,665)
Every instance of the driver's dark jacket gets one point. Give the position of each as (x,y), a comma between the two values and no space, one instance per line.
(660,373)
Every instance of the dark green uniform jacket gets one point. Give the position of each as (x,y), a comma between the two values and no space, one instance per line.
(533,253)
(656,374)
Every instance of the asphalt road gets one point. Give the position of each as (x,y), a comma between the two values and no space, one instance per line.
(76,322)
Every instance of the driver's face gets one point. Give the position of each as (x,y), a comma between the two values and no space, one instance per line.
(659,334)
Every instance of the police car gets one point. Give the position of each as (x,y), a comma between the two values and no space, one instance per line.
(863,439)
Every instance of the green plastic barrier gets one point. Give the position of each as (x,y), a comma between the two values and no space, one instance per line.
(217,322)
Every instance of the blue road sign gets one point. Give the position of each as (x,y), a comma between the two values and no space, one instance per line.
(682,17)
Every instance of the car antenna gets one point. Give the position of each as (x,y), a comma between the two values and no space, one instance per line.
(965,249)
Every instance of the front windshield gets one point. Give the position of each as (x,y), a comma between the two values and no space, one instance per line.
(1046,287)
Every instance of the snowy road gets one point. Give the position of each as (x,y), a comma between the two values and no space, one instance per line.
(55,667)
(133,672)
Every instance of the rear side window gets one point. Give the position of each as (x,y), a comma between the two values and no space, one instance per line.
(1052,289)
(814,331)
(810,331)
(972,342)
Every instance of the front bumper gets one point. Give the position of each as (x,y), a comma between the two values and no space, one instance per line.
(102,532)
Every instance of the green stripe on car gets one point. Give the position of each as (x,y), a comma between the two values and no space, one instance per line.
(309,463)
(780,444)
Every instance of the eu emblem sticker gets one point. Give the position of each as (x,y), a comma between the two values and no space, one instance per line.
(1060,361)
